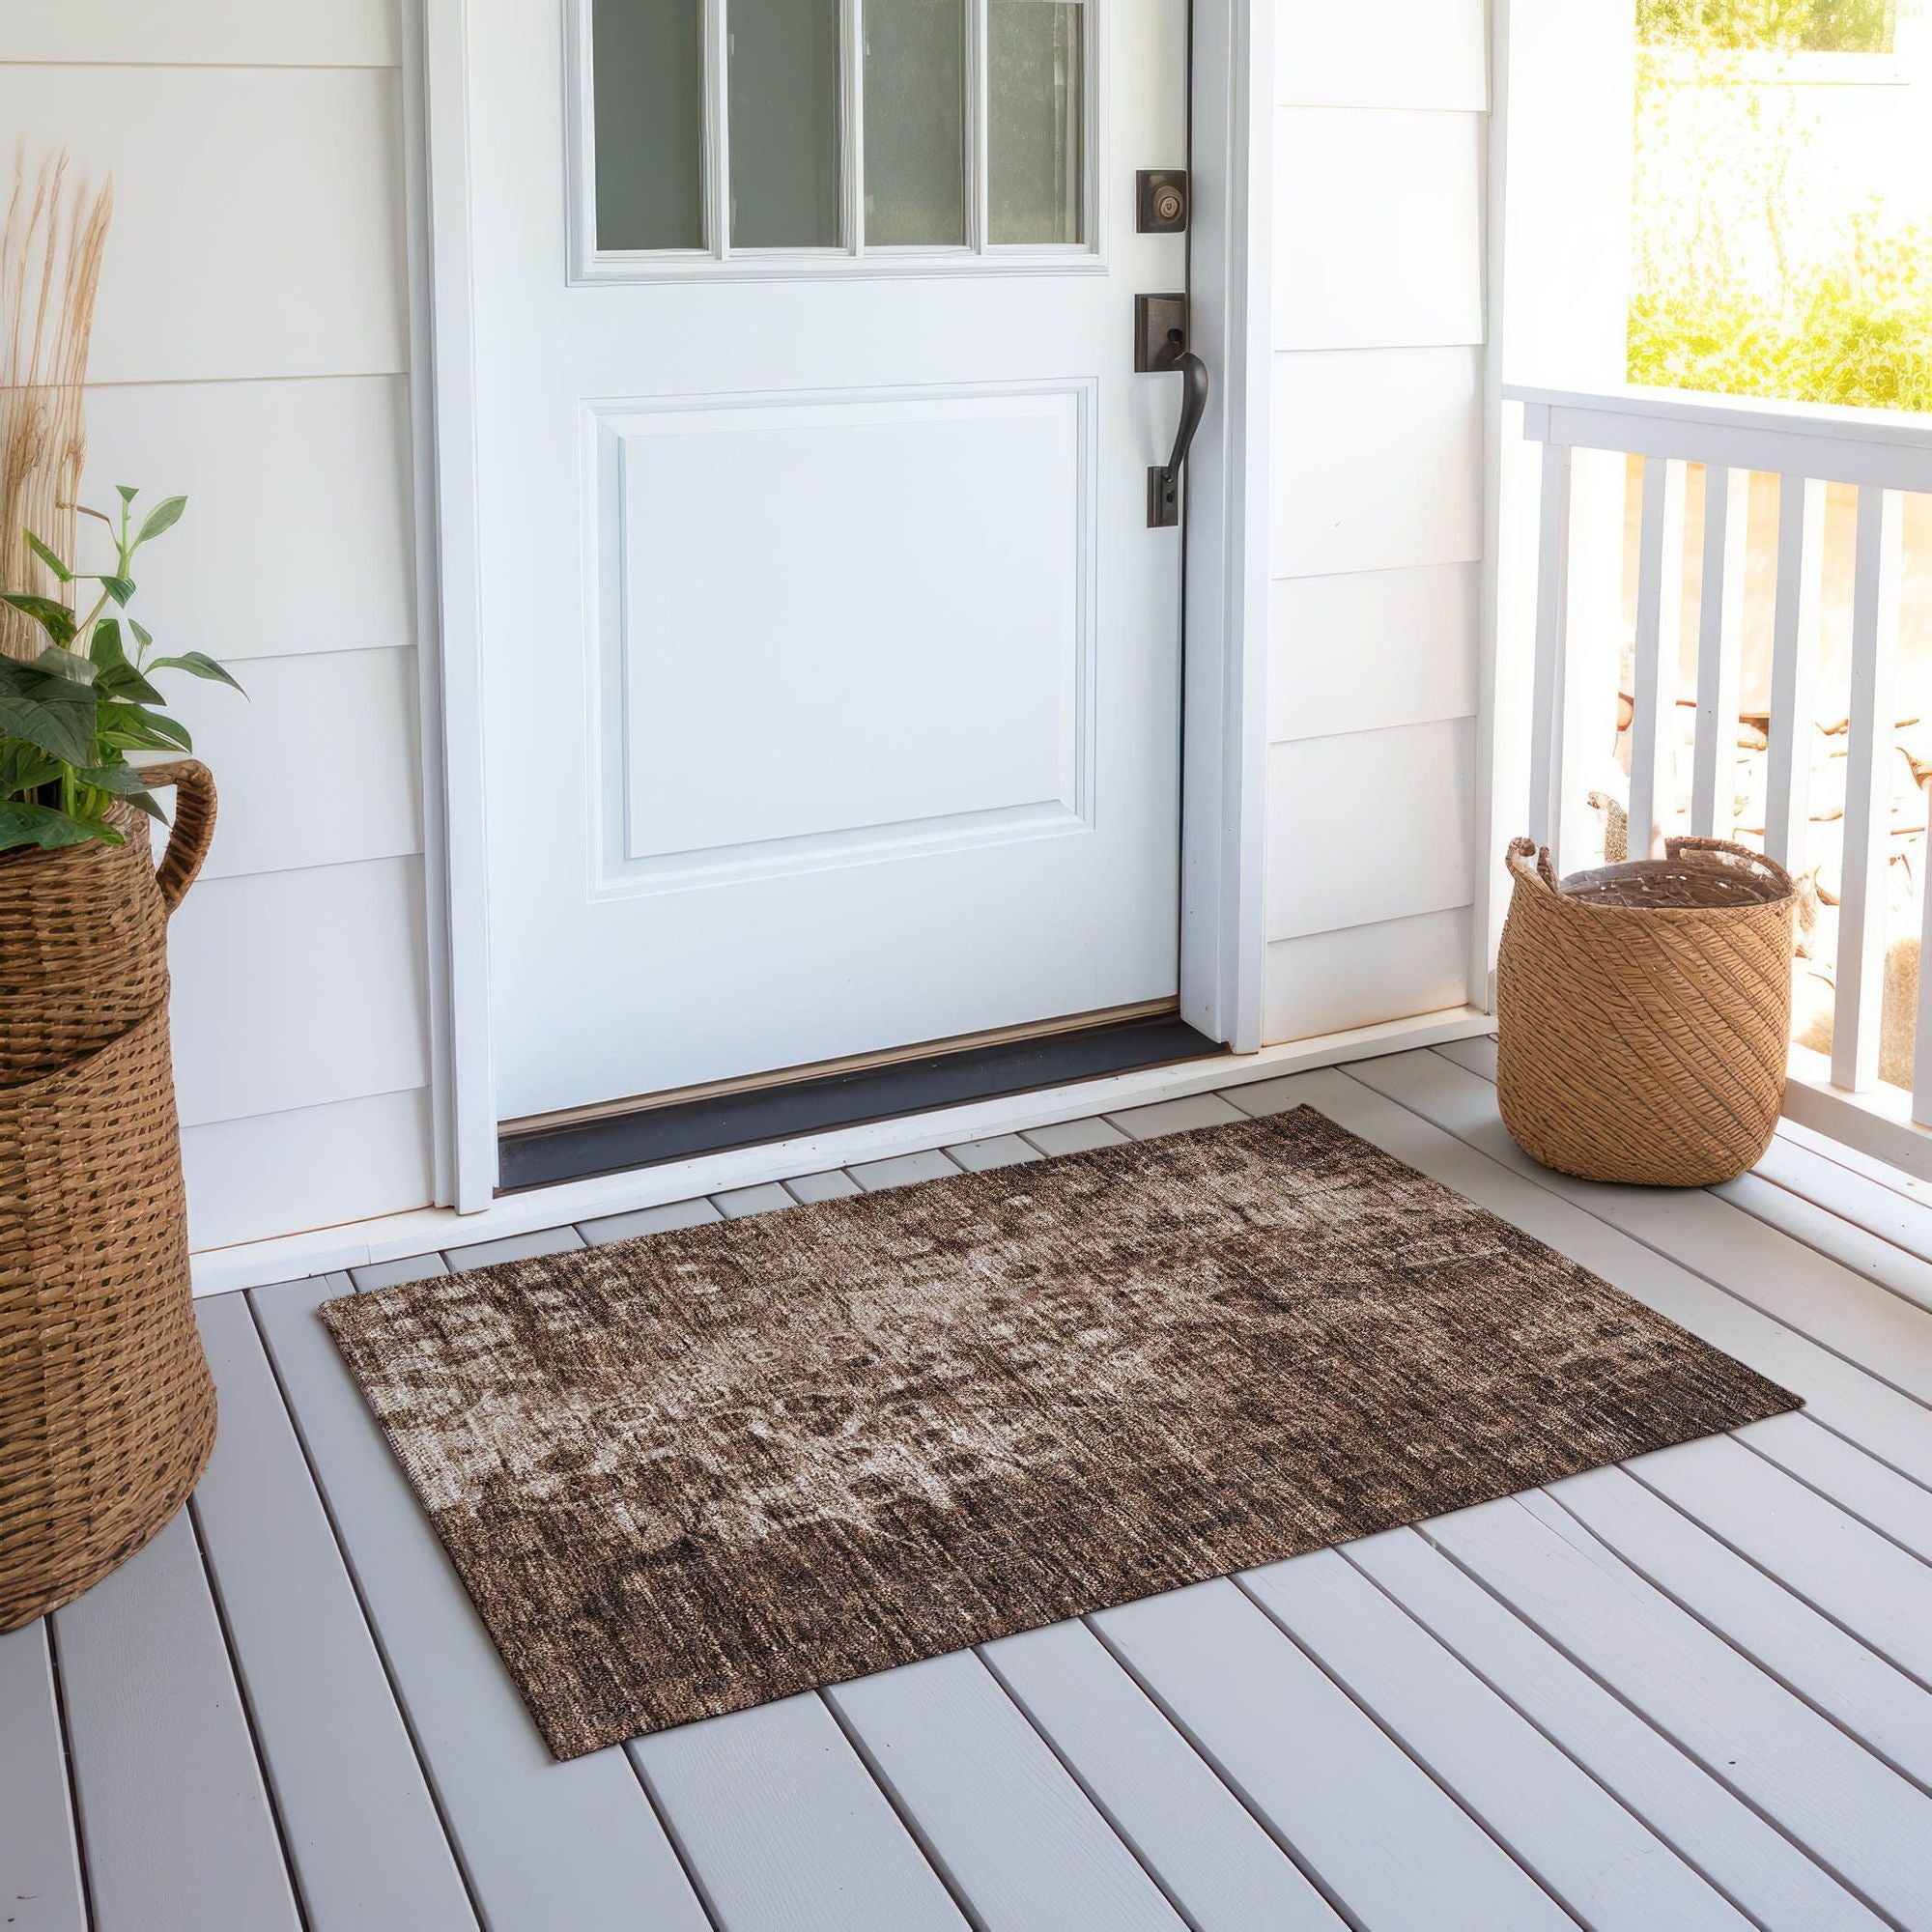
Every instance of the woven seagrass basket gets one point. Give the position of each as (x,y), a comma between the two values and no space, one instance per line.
(1644,1012)
(106,1405)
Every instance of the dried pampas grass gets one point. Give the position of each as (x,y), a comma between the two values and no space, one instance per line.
(50,251)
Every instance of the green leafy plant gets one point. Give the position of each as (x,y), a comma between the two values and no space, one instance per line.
(70,714)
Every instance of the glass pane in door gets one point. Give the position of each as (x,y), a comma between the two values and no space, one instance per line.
(784,58)
(648,100)
(915,123)
(1035,100)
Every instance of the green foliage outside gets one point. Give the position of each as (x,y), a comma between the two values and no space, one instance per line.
(1743,283)
(1821,26)
(1857,330)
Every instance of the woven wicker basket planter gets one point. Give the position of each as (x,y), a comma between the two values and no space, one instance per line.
(1644,1012)
(106,1405)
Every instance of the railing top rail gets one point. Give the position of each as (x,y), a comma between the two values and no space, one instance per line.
(1889,447)
(1908,427)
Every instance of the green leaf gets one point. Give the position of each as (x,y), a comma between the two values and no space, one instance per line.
(119,678)
(164,516)
(55,619)
(128,727)
(57,661)
(47,556)
(51,713)
(123,782)
(127,492)
(25,768)
(120,589)
(43,825)
(120,778)
(142,635)
(198,663)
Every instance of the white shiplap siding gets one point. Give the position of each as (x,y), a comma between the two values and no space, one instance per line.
(251,349)
(1377,494)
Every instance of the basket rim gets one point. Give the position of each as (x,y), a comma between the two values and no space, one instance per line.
(1529,878)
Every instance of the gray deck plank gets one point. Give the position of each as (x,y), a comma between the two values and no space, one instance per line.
(834,1184)
(996,1811)
(736,1203)
(1862,1582)
(1303,1756)
(1442,1130)
(786,1829)
(512,1249)
(40,1855)
(1887,1336)
(1058,1137)
(1903,1220)
(1001,1150)
(1819,1227)
(1831,1670)
(608,1228)
(374,1276)
(356,1817)
(1853,1814)
(1609,1869)
(1216,1861)
(902,1170)
(1181,1115)
(1878,1497)
(544,1845)
(1477,1055)
(175,1822)
(1755,1865)
(1790,1277)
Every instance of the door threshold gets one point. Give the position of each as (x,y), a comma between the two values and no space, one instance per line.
(421,1230)
(715,1123)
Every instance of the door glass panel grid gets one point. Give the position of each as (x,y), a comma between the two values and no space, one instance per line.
(981,149)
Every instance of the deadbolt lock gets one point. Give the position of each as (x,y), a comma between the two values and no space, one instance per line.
(1162,200)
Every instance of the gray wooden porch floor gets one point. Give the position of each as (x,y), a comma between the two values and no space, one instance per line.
(1689,1692)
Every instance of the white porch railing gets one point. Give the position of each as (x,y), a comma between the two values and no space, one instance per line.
(1744,447)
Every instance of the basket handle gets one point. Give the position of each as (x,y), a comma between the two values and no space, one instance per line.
(1543,872)
(193,828)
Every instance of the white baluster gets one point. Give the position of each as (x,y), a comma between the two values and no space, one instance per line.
(1794,663)
(1720,625)
(1921,1038)
(1870,752)
(1659,605)
(1552,623)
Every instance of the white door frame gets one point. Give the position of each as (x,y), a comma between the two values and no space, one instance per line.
(1224,725)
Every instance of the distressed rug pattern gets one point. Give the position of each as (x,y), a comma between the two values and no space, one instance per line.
(696,1471)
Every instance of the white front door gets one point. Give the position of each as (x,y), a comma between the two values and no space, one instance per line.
(832,670)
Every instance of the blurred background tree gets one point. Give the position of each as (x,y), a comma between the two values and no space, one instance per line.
(1783,200)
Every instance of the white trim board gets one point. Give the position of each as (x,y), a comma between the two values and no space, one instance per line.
(1877,1123)
(424,1230)
(1223,949)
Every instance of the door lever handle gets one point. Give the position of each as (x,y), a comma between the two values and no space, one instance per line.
(1164,481)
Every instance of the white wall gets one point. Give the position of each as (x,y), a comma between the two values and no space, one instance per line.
(1377,495)
(251,348)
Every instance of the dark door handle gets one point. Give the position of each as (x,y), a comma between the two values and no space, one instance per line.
(1164,483)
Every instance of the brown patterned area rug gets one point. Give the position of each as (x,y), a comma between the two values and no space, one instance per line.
(689,1473)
